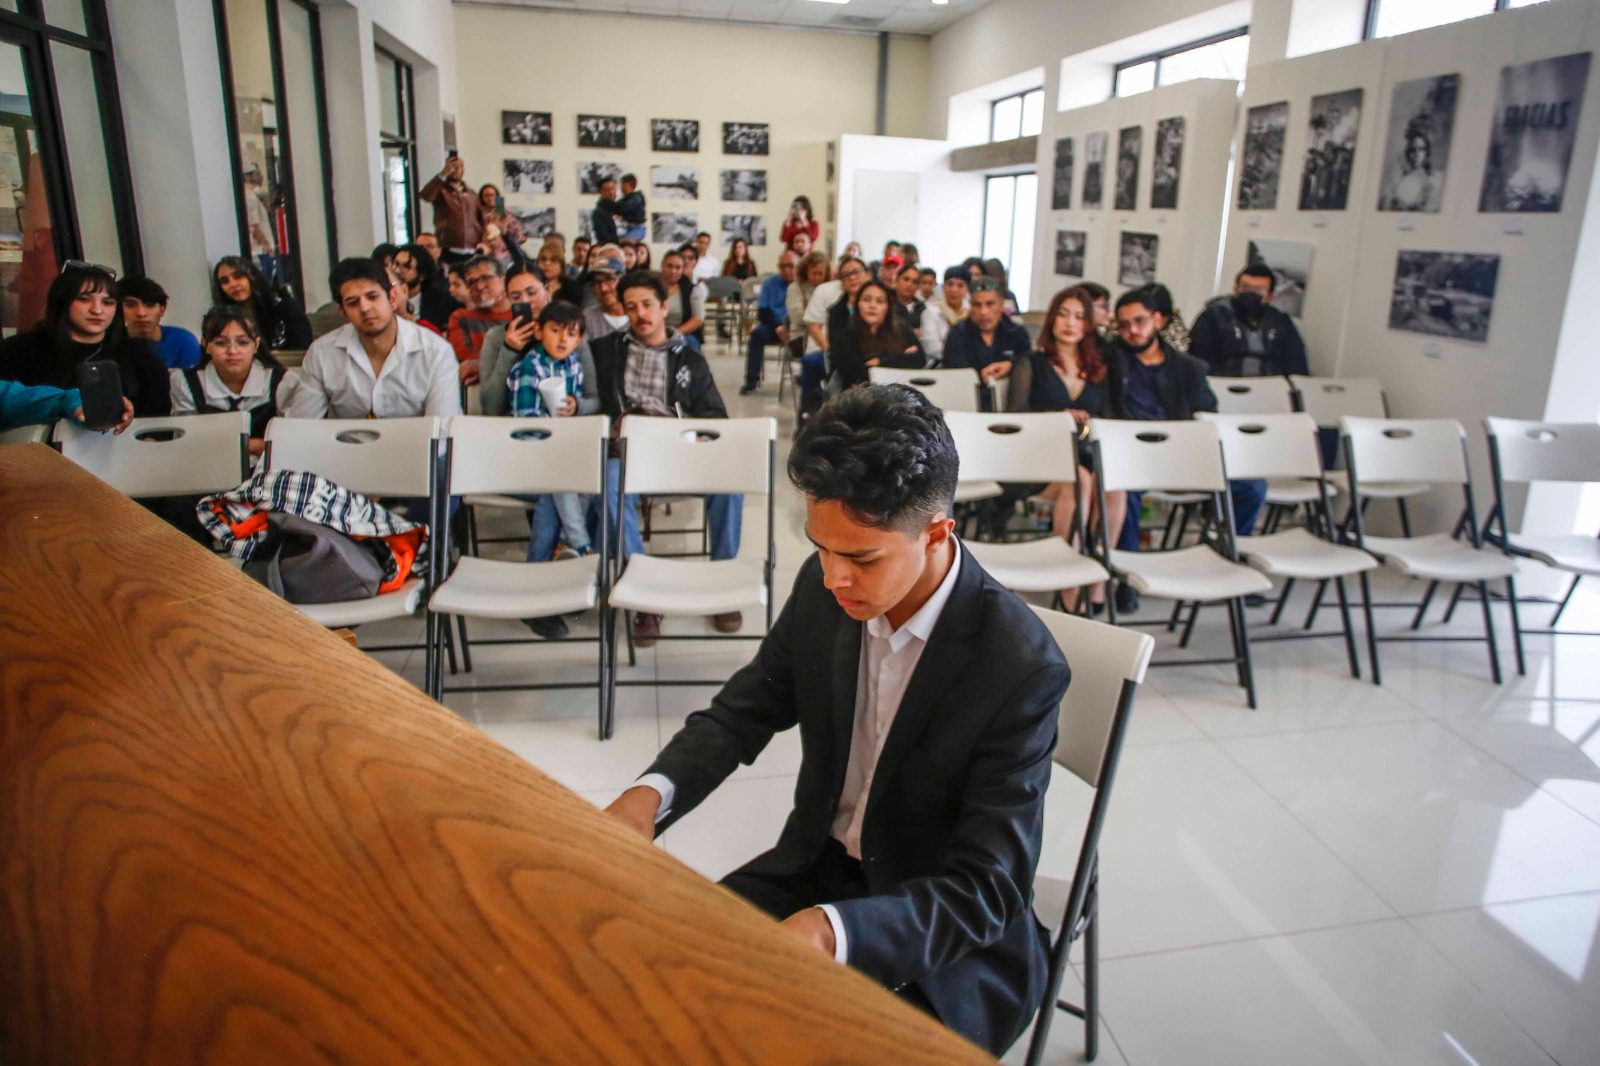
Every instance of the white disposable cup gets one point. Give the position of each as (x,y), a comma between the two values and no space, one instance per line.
(553,391)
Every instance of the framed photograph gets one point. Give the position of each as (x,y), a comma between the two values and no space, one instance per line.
(1137,259)
(1331,151)
(1167,165)
(675,183)
(602,131)
(744,138)
(752,228)
(1094,170)
(674,135)
(529,175)
(525,127)
(1291,269)
(1262,166)
(536,221)
(1535,125)
(586,223)
(1128,168)
(1061,184)
(673,228)
(1422,119)
(744,185)
(1447,294)
(592,173)
(1070,252)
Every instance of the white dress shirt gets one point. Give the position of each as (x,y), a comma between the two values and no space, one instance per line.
(252,395)
(420,377)
(823,297)
(709,267)
(935,328)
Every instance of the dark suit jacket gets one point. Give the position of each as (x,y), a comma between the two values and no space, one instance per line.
(951,834)
(1184,386)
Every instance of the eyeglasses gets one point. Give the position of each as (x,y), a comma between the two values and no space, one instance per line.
(80,264)
(482,279)
(240,344)
(853,272)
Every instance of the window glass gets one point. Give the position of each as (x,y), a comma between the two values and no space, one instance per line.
(66,14)
(1223,59)
(1404,16)
(310,172)
(1019,265)
(390,118)
(1007,122)
(397,192)
(1523,3)
(86,155)
(261,146)
(997,215)
(1033,113)
(27,248)
(1139,78)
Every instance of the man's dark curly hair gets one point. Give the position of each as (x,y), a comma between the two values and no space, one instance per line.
(883,452)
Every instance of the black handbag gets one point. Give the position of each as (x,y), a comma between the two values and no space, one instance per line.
(309,563)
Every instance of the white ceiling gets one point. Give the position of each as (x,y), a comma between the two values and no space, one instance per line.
(921,17)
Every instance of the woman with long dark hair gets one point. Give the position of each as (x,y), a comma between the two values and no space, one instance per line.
(236,280)
(237,372)
(873,337)
(552,269)
(800,219)
(506,244)
(739,264)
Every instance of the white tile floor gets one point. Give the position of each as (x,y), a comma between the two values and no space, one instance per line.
(1350,874)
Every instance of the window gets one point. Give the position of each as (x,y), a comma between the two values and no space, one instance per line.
(1387,18)
(1222,56)
(397,126)
(1021,115)
(1010,204)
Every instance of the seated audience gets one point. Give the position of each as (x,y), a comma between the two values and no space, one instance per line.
(873,336)
(908,305)
(554,274)
(974,268)
(909,254)
(236,374)
(686,299)
(489,308)
(630,253)
(1173,328)
(826,315)
(383,254)
(377,365)
(502,231)
(603,313)
(603,219)
(704,266)
(32,405)
(427,287)
(83,321)
(1104,325)
(431,243)
(887,270)
(237,280)
(504,346)
(987,341)
(739,264)
(891,250)
(800,244)
(800,219)
(457,212)
(927,284)
(144,304)
(997,270)
(456,280)
(641,256)
(938,317)
(580,258)
(772,314)
(1243,335)
(810,271)
(851,251)
(650,371)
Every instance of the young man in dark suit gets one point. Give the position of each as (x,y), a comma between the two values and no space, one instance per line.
(926,696)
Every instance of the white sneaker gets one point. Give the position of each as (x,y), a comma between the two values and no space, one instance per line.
(564,552)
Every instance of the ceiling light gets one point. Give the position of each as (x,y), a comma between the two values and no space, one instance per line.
(830,1)
(940,3)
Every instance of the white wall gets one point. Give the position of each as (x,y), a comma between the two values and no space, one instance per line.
(948,218)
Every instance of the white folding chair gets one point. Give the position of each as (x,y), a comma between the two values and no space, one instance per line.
(722,301)
(39,433)
(524,457)
(1252,396)
(950,390)
(1026,448)
(1429,451)
(1185,456)
(177,455)
(1328,400)
(1108,665)
(1285,446)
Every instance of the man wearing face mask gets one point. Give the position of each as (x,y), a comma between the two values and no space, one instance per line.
(1243,335)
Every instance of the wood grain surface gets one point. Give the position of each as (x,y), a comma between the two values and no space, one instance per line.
(227,837)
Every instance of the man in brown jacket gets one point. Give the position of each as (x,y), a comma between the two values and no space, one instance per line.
(457,213)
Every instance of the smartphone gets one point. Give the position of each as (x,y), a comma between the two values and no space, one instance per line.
(100,383)
(522,310)
(454,153)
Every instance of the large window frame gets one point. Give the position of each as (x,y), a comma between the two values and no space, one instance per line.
(1024,99)
(1168,53)
(403,140)
(1369,28)
(1019,282)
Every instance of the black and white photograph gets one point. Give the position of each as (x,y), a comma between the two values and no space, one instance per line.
(602,131)
(751,228)
(1166,165)
(529,175)
(1291,271)
(744,138)
(1264,130)
(1061,185)
(744,185)
(1136,263)
(1094,170)
(1416,153)
(1128,142)
(1330,151)
(675,183)
(525,127)
(586,223)
(592,173)
(536,221)
(1070,247)
(674,135)
(1535,124)
(1447,294)
(673,228)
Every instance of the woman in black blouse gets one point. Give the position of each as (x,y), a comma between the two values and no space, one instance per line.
(873,337)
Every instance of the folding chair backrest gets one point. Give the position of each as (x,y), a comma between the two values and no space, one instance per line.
(526,455)
(1178,456)
(1252,396)
(694,456)
(1015,447)
(750,288)
(182,455)
(722,288)
(38,433)
(1406,449)
(1263,446)
(372,456)
(1103,658)
(1329,399)
(952,389)
(1546,451)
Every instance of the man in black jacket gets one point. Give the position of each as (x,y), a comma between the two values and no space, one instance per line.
(986,340)
(927,697)
(1243,335)
(651,371)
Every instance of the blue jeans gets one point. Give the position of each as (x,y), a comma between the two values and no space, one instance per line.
(760,337)
(813,373)
(635,233)
(1248,496)
(724,516)
(557,516)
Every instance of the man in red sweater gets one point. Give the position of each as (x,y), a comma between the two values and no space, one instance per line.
(489,308)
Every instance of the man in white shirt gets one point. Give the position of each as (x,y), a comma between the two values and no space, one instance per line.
(378,365)
(940,315)
(706,265)
(926,696)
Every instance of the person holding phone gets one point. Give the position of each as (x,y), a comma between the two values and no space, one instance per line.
(502,231)
(799,220)
(457,211)
(504,346)
(31,405)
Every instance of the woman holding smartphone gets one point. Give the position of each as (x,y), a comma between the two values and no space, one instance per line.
(799,220)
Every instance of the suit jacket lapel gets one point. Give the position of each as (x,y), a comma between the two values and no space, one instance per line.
(846,674)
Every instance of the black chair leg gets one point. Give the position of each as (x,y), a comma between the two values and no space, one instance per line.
(1516,625)
(1188,627)
(1283,600)
(627,632)
(1488,632)
(449,645)
(1091,974)
(466,649)
(1177,613)
(1244,653)
(1422,608)
(1166,530)
(1405,517)
(1052,991)
(1349,630)
(608,703)
(1316,605)
(431,681)
(1372,629)
(1455,598)
(1562,606)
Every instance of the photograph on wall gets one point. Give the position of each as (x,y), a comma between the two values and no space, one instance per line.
(744,185)
(536,221)
(1535,124)
(1094,170)
(1331,153)
(1136,264)
(602,131)
(1291,271)
(1167,164)
(675,183)
(673,227)
(674,135)
(1262,165)
(1447,294)
(529,175)
(744,138)
(586,223)
(1128,168)
(1070,251)
(752,228)
(592,173)
(1422,119)
(525,127)
(1061,184)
